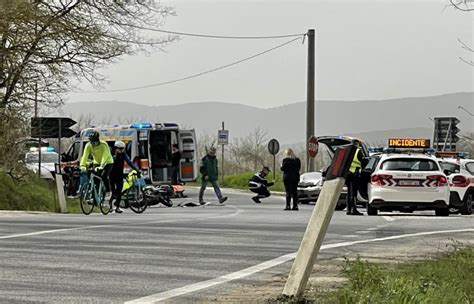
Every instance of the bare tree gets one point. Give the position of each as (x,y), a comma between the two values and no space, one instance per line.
(45,46)
(466,144)
(48,44)
(204,142)
(468,48)
(465,6)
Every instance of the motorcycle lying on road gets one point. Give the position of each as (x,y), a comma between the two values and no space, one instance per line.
(138,196)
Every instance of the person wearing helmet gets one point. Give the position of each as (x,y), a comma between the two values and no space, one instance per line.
(116,176)
(259,184)
(101,159)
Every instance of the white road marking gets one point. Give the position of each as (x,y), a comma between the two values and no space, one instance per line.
(371,229)
(269,264)
(362,232)
(389,218)
(119,224)
(49,231)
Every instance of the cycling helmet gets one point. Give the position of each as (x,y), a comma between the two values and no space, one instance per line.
(94,137)
(119,144)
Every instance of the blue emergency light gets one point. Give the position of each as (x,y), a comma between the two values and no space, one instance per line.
(141,125)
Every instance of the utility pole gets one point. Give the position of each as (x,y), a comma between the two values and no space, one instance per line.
(40,125)
(310,108)
(222,182)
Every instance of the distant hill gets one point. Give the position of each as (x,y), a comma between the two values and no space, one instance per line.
(373,120)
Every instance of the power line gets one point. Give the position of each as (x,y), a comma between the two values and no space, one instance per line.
(198,74)
(220,36)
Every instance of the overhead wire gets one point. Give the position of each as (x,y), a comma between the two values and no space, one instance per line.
(222,36)
(198,74)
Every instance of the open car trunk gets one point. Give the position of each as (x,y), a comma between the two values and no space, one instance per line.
(333,142)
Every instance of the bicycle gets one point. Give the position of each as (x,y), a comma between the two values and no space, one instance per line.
(93,194)
(133,192)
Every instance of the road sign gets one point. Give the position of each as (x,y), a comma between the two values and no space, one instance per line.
(273,146)
(52,127)
(445,133)
(223,137)
(313,146)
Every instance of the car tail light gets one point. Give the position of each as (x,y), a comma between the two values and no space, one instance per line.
(378,179)
(460,181)
(441,180)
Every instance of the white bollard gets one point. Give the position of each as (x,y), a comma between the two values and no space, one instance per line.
(61,195)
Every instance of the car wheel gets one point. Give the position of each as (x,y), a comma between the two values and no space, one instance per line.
(305,202)
(442,212)
(371,210)
(466,208)
(340,206)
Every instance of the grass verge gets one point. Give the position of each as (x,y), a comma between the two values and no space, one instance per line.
(448,279)
(32,194)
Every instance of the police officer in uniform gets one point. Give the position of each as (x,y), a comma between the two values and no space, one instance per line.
(259,184)
(353,180)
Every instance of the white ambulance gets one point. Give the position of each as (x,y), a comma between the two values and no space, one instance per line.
(148,145)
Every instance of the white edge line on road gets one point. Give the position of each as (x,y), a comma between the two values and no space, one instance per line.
(12,236)
(269,264)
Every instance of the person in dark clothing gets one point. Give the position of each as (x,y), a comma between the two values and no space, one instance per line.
(175,159)
(116,176)
(291,176)
(209,172)
(353,180)
(259,184)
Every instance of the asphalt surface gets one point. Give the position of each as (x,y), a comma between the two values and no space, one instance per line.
(125,257)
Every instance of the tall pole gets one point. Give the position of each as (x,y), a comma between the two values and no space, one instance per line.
(222,170)
(310,98)
(40,125)
(59,143)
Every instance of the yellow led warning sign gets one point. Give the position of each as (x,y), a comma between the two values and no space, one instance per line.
(408,143)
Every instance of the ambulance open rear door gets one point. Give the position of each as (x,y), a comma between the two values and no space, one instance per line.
(188,167)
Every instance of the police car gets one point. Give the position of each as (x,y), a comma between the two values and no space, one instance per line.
(48,160)
(460,173)
(406,179)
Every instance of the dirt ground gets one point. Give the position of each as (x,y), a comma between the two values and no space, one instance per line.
(327,274)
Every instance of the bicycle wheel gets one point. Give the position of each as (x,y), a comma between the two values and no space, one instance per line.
(86,199)
(137,199)
(105,206)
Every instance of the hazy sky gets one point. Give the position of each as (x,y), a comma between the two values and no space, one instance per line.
(365,50)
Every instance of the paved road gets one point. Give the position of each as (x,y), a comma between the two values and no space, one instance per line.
(181,254)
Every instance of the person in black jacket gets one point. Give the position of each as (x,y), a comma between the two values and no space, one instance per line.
(116,176)
(258,184)
(291,176)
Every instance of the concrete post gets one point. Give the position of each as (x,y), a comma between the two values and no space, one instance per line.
(313,238)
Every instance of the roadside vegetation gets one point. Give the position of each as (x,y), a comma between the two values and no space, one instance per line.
(31,194)
(447,279)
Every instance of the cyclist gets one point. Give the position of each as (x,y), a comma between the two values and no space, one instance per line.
(101,158)
(116,176)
